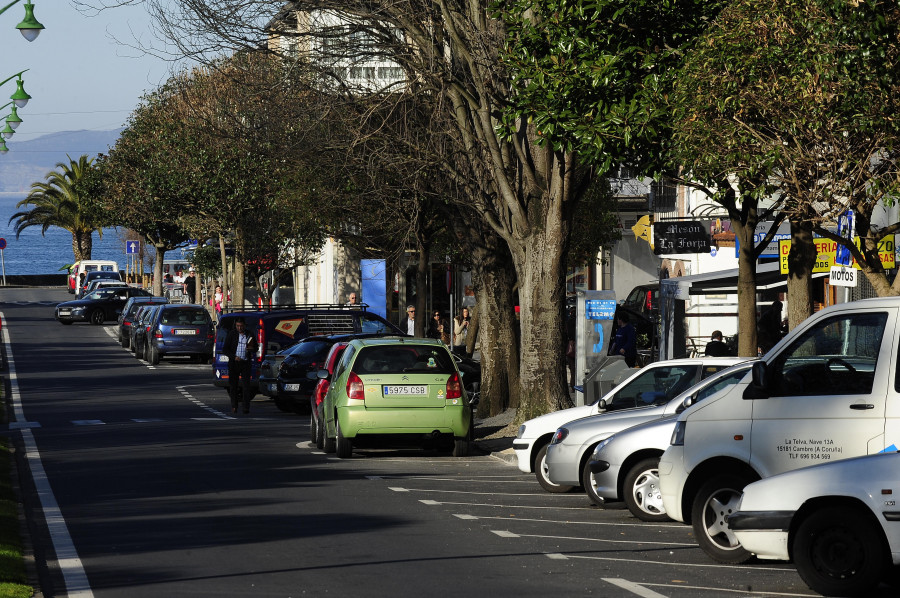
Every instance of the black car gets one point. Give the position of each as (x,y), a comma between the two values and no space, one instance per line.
(98,307)
(295,375)
(126,318)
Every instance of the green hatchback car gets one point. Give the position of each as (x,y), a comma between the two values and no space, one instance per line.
(401,387)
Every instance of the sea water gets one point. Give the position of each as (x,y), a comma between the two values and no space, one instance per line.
(36,253)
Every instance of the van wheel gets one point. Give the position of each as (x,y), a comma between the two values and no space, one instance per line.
(343,446)
(641,490)
(541,471)
(840,552)
(717,499)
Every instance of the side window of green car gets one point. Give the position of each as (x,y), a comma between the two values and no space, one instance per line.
(345,362)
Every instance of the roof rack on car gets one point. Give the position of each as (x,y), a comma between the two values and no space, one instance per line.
(286,306)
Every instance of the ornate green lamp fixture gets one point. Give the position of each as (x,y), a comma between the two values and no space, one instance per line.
(20,97)
(29,27)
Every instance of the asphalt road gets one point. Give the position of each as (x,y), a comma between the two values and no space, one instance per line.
(146,485)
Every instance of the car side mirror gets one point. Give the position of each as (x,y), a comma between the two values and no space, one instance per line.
(322,374)
(602,404)
(760,381)
(687,402)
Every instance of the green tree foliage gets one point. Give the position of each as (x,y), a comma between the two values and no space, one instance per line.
(62,200)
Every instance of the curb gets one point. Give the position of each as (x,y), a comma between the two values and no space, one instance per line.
(507,455)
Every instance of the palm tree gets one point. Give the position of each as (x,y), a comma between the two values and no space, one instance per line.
(59,201)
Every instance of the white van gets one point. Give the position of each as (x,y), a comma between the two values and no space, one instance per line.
(829,390)
(85,266)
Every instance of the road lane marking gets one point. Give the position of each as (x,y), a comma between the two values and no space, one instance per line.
(473,479)
(719,591)
(633,587)
(504,534)
(570,522)
(74,577)
(482,504)
(218,414)
(544,494)
(88,422)
(672,564)
(676,544)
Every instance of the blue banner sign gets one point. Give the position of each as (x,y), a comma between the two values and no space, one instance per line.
(599,309)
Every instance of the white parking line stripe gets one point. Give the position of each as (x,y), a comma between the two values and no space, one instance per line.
(74,577)
(633,587)
(666,563)
(570,522)
(504,534)
(482,504)
(719,591)
(470,492)
(487,479)
(88,422)
(638,542)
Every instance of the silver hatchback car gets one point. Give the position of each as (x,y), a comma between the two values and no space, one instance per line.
(626,464)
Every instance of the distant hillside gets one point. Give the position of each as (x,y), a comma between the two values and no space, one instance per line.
(29,161)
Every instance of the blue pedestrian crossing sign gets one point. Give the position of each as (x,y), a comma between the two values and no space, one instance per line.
(132,247)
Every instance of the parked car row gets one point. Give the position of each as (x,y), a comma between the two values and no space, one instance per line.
(729,455)
(154,329)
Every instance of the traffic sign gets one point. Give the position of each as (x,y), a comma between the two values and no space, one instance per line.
(2,243)
(132,247)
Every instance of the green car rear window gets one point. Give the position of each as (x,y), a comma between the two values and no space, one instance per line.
(403,359)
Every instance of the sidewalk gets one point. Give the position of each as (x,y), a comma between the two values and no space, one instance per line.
(492,436)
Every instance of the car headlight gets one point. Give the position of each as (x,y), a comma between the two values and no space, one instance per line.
(521,431)
(559,436)
(678,434)
(602,445)
(77,310)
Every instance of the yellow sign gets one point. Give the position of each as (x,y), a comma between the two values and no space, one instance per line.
(644,229)
(826,248)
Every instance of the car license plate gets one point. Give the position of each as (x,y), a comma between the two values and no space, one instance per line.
(65,312)
(273,388)
(290,387)
(184,331)
(405,390)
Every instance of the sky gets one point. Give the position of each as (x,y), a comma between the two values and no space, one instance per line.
(80,77)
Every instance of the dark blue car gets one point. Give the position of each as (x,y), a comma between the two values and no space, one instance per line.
(180,330)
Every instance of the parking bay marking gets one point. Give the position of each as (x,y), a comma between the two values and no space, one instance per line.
(561,556)
(509,534)
(472,479)
(396,489)
(718,591)
(566,522)
(633,587)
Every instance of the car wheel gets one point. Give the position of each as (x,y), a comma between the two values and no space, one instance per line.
(153,356)
(641,490)
(320,435)
(124,341)
(343,446)
(717,499)
(839,551)
(97,317)
(541,471)
(461,446)
(590,488)
(313,429)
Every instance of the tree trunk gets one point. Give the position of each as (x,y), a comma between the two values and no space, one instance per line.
(746,289)
(801,260)
(224,271)
(237,295)
(82,245)
(540,263)
(421,288)
(158,269)
(496,327)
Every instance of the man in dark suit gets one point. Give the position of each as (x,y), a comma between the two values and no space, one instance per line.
(240,348)
(717,348)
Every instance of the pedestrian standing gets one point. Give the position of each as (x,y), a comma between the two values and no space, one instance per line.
(410,324)
(190,286)
(461,331)
(716,347)
(240,348)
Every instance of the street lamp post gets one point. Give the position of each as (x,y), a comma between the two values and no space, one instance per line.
(29,27)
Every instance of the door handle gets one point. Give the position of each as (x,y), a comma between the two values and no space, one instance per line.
(862,406)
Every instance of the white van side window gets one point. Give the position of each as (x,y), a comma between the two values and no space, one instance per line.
(837,356)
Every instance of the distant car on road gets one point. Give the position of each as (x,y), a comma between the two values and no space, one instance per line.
(101,305)
(126,318)
(96,275)
(184,329)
